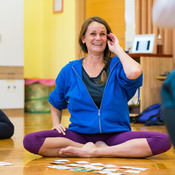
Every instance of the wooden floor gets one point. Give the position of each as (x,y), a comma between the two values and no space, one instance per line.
(25,163)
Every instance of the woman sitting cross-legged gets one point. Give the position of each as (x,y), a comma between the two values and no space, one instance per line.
(96,90)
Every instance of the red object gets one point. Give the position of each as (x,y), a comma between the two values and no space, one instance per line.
(46,82)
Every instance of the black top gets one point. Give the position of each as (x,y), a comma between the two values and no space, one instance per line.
(96,90)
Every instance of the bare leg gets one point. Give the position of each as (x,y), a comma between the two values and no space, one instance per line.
(52,146)
(135,148)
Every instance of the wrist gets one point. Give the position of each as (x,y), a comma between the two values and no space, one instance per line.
(118,50)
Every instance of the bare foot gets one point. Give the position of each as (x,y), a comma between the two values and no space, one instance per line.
(86,151)
(101,144)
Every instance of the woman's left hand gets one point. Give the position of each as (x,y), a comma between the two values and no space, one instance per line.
(113,43)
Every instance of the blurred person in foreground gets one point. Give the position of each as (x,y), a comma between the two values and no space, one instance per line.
(163,16)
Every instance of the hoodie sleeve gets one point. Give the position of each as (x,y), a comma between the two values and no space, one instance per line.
(129,85)
(57,96)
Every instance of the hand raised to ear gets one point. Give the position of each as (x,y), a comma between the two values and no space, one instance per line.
(113,43)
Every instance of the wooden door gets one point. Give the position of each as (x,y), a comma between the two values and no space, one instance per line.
(112,11)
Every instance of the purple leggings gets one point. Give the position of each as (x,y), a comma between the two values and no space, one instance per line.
(158,142)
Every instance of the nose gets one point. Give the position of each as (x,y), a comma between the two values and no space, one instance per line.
(98,37)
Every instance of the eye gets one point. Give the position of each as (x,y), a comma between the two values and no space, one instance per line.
(93,34)
(103,34)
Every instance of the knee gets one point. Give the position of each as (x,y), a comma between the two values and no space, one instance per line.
(11,130)
(6,131)
(28,142)
(161,144)
(167,142)
(32,143)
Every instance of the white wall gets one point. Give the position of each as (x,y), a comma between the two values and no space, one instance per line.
(11,52)
(129,23)
(11,32)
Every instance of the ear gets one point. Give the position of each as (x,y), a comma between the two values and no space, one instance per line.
(83,39)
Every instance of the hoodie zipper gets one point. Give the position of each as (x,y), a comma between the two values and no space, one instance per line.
(91,99)
(99,109)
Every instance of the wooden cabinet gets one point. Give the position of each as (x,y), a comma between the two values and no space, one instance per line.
(11,93)
(11,87)
(152,65)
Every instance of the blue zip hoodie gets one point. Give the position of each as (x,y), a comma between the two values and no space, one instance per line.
(113,115)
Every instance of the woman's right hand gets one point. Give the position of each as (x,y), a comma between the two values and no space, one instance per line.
(60,128)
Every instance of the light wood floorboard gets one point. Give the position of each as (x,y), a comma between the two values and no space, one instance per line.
(25,163)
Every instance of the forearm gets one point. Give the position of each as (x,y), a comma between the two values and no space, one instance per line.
(132,69)
(56,115)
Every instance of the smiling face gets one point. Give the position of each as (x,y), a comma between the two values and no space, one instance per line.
(95,38)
